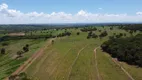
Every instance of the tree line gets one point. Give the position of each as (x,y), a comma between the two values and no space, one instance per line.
(133,27)
(86,29)
(125,49)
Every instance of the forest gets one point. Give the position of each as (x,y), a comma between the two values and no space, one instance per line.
(125,49)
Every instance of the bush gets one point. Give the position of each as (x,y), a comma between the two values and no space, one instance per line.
(25,49)
(19,53)
(5,44)
(78,33)
(3,51)
(103,34)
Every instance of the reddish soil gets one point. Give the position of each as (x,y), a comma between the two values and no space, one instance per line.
(27,63)
(16,34)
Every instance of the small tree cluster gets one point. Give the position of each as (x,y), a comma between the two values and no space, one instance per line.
(21,76)
(3,51)
(5,44)
(78,33)
(91,35)
(103,34)
(26,48)
(86,29)
(111,28)
(64,34)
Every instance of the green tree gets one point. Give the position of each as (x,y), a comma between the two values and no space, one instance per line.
(3,51)
(25,49)
(19,53)
(78,33)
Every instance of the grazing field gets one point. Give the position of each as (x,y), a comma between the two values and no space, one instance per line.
(68,57)
(73,58)
(9,63)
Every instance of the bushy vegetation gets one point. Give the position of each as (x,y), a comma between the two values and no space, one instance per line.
(86,29)
(92,35)
(125,49)
(103,34)
(6,38)
(3,51)
(133,27)
(66,33)
(21,76)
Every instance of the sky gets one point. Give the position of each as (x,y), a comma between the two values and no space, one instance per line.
(69,11)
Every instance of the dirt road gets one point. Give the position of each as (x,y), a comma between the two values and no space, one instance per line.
(117,63)
(75,61)
(98,74)
(27,63)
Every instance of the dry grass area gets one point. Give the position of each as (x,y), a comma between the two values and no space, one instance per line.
(16,34)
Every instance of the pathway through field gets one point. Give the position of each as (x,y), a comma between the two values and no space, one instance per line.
(117,63)
(98,74)
(75,61)
(27,63)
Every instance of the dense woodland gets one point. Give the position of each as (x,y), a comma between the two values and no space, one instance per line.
(125,49)
(133,27)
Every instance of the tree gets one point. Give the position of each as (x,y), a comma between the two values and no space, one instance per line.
(100,30)
(25,49)
(19,53)
(27,45)
(94,35)
(103,34)
(131,32)
(78,33)
(5,44)
(52,41)
(90,33)
(111,28)
(124,34)
(88,37)
(3,51)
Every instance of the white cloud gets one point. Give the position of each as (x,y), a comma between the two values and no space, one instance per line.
(139,13)
(100,8)
(11,16)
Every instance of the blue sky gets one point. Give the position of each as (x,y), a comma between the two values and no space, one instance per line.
(73,7)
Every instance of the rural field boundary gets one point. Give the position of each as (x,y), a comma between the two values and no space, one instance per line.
(117,63)
(59,62)
(98,74)
(41,62)
(75,61)
(27,63)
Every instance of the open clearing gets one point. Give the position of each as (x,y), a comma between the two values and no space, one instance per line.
(73,58)
(69,58)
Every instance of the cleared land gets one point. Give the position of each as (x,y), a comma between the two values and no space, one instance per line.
(72,58)
(76,58)
(8,62)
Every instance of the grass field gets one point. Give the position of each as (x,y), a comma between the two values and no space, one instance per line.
(69,58)
(8,63)
(72,58)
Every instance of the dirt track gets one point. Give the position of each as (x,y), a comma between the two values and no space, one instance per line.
(117,63)
(27,63)
(75,61)
(98,74)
